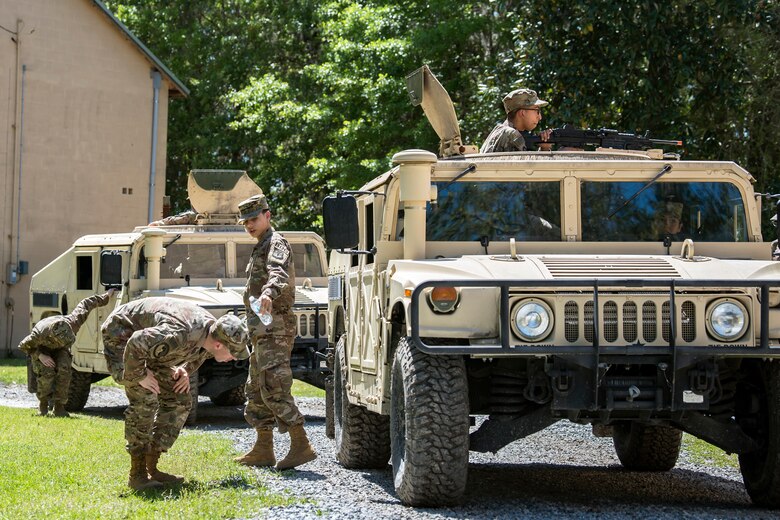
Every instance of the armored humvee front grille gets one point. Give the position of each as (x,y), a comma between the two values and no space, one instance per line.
(615,316)
(620,320)
(310,323)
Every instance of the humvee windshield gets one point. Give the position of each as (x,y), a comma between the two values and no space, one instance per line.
(305,257)
(703,211)
(196,260)
(531,211)
(467,211)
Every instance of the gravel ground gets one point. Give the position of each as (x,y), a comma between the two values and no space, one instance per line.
(562,472)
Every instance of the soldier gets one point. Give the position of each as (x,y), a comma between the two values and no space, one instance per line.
(152,345)
(186,218)
(523,109)
(271,280)
(48,346)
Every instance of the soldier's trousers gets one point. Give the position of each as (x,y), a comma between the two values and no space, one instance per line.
(53,382)
(153,422)
(268,388)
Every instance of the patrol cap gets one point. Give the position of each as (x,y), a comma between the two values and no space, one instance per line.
(230,330)
(56,329)
(522,98)
(251,207)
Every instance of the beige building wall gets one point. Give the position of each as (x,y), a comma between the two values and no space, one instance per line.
(76,105)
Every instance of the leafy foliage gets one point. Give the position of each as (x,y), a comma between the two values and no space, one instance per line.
(310,96)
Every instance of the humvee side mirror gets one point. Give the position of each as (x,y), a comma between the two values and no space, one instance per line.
(340,220)
(110,269)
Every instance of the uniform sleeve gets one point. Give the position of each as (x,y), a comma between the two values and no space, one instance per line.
(146,344)
(182,219)
(278,265)
(31,344)
(80,314)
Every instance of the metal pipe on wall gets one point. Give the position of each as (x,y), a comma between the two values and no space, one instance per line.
(156,82)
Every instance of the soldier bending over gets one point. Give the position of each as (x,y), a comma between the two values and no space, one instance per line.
(48,346)
(152,345)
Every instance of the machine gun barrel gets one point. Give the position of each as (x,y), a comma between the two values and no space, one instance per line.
(603,138)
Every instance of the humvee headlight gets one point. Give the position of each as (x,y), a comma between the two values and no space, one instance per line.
(532,320)
(443,299)
(727,320)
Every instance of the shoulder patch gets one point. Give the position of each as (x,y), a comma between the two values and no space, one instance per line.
(160,350)
(279,252)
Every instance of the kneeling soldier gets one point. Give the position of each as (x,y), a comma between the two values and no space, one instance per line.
(48,346)
(151,346)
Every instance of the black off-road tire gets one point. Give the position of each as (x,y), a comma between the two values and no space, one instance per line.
(192,418)
(362,436)
(429,427)
(78,391)
(233,397)
(642,447)
(761,469)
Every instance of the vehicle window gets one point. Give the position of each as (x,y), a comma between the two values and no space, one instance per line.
(196,260)
(306,259)
(467,211)
(703,211)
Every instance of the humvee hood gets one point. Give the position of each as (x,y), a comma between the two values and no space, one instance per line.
(561,267)
(208,297)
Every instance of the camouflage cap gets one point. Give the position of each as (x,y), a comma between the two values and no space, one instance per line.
(522,98)
(251,207)
(230,330)
(57,330)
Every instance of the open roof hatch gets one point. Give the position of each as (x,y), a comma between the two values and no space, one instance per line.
(424,89)
(218,192)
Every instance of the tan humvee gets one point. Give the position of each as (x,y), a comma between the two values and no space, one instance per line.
(203,263)
(513,290)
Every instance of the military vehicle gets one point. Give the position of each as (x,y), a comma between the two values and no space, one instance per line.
(203,263)
(479,298)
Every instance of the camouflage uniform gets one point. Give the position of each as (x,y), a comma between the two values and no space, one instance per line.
(158,334)
(503,138)
(182,219)
(271,272)
(51,337)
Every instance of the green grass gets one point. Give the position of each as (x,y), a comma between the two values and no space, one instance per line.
(14,370)
(702,452)
(78,468)
(301,389)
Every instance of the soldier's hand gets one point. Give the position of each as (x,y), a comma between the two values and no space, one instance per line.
(111,292)
(150,382)
(182,378)
(266,304)
(46,360)
(545,136)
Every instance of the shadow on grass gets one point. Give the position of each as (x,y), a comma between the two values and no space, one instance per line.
(191,487)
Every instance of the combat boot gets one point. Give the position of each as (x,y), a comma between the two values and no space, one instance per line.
(139,480)
(151,467)
(300,452)
(262,453)
(43,408)
(59,410)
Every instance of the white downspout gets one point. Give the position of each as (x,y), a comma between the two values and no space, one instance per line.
(156,82)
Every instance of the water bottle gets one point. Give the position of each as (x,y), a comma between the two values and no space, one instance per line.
(265,317)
